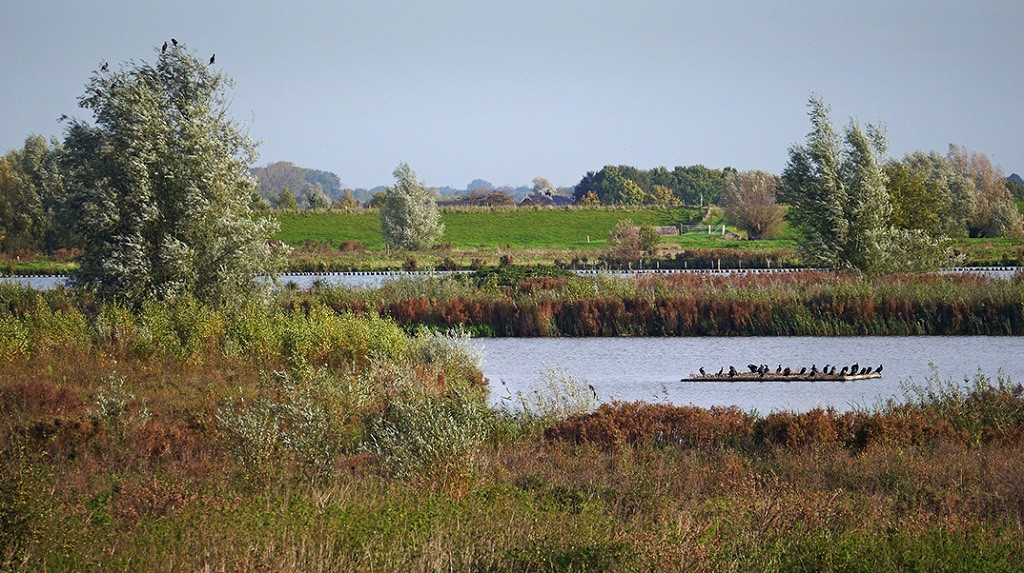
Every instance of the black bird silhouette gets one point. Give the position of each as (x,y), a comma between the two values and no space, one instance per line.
(855,368)
(720,371)
(173,41)
(833,370)
(779,369)
(592,390)
(732,371)
(105,67)
(752,367)
(814,370)
(764,369)
(213,58)
(803,370)
(879,369)
(163,49)
(786,372)
(702,372)
(843,371)
(865,370)
(825,369)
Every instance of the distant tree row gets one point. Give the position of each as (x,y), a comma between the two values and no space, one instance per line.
(627,185)
(310,188)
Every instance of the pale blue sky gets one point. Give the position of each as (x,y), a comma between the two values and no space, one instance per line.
(507,91)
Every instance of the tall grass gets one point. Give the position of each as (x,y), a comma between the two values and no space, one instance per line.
(791,304)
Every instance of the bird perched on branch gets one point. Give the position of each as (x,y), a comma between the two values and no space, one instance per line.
(732,371)
(175,42)
(105,67)
(213,59)
(164,48)
(702,372)
(843,371)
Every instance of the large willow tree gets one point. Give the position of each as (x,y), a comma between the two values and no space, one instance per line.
(161,188)
(840,207)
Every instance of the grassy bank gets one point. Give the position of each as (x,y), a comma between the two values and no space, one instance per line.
(178,437)
(511,303)
(482,227)
(336,241)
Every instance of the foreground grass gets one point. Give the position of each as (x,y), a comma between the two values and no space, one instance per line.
(179,437)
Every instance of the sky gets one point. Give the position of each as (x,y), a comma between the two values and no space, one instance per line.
(508,91)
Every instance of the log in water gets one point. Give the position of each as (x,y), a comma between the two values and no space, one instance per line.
(773,377)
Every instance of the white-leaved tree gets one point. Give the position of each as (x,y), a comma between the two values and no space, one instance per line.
(161,187)
(409,215)
(840,207)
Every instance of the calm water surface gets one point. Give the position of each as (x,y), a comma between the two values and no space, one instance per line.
(650,368)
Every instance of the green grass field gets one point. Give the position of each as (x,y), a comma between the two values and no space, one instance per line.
(565,228)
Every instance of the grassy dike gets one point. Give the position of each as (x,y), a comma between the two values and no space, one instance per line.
(292,438)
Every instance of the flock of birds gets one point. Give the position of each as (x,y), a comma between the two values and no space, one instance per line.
(174,43)
(828,370)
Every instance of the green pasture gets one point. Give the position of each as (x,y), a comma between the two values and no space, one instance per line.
(567,228)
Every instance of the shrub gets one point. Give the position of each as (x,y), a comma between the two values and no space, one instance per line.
(437,440)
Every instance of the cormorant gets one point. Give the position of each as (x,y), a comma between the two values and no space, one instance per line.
(825,369)
(732,371)
(833,370)
(702,372)
(779,369)
(173,41)
(786,372)
(803,371)
(213,58)
(752,367)
(592,390)
(879,369)
(855,368)
(843,371)
(865,370)
(814,370)
(721,371)
(163,49)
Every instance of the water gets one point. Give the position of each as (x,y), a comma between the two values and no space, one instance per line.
(649,369)
(376,279)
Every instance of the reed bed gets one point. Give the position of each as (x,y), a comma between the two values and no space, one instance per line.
(789,304)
